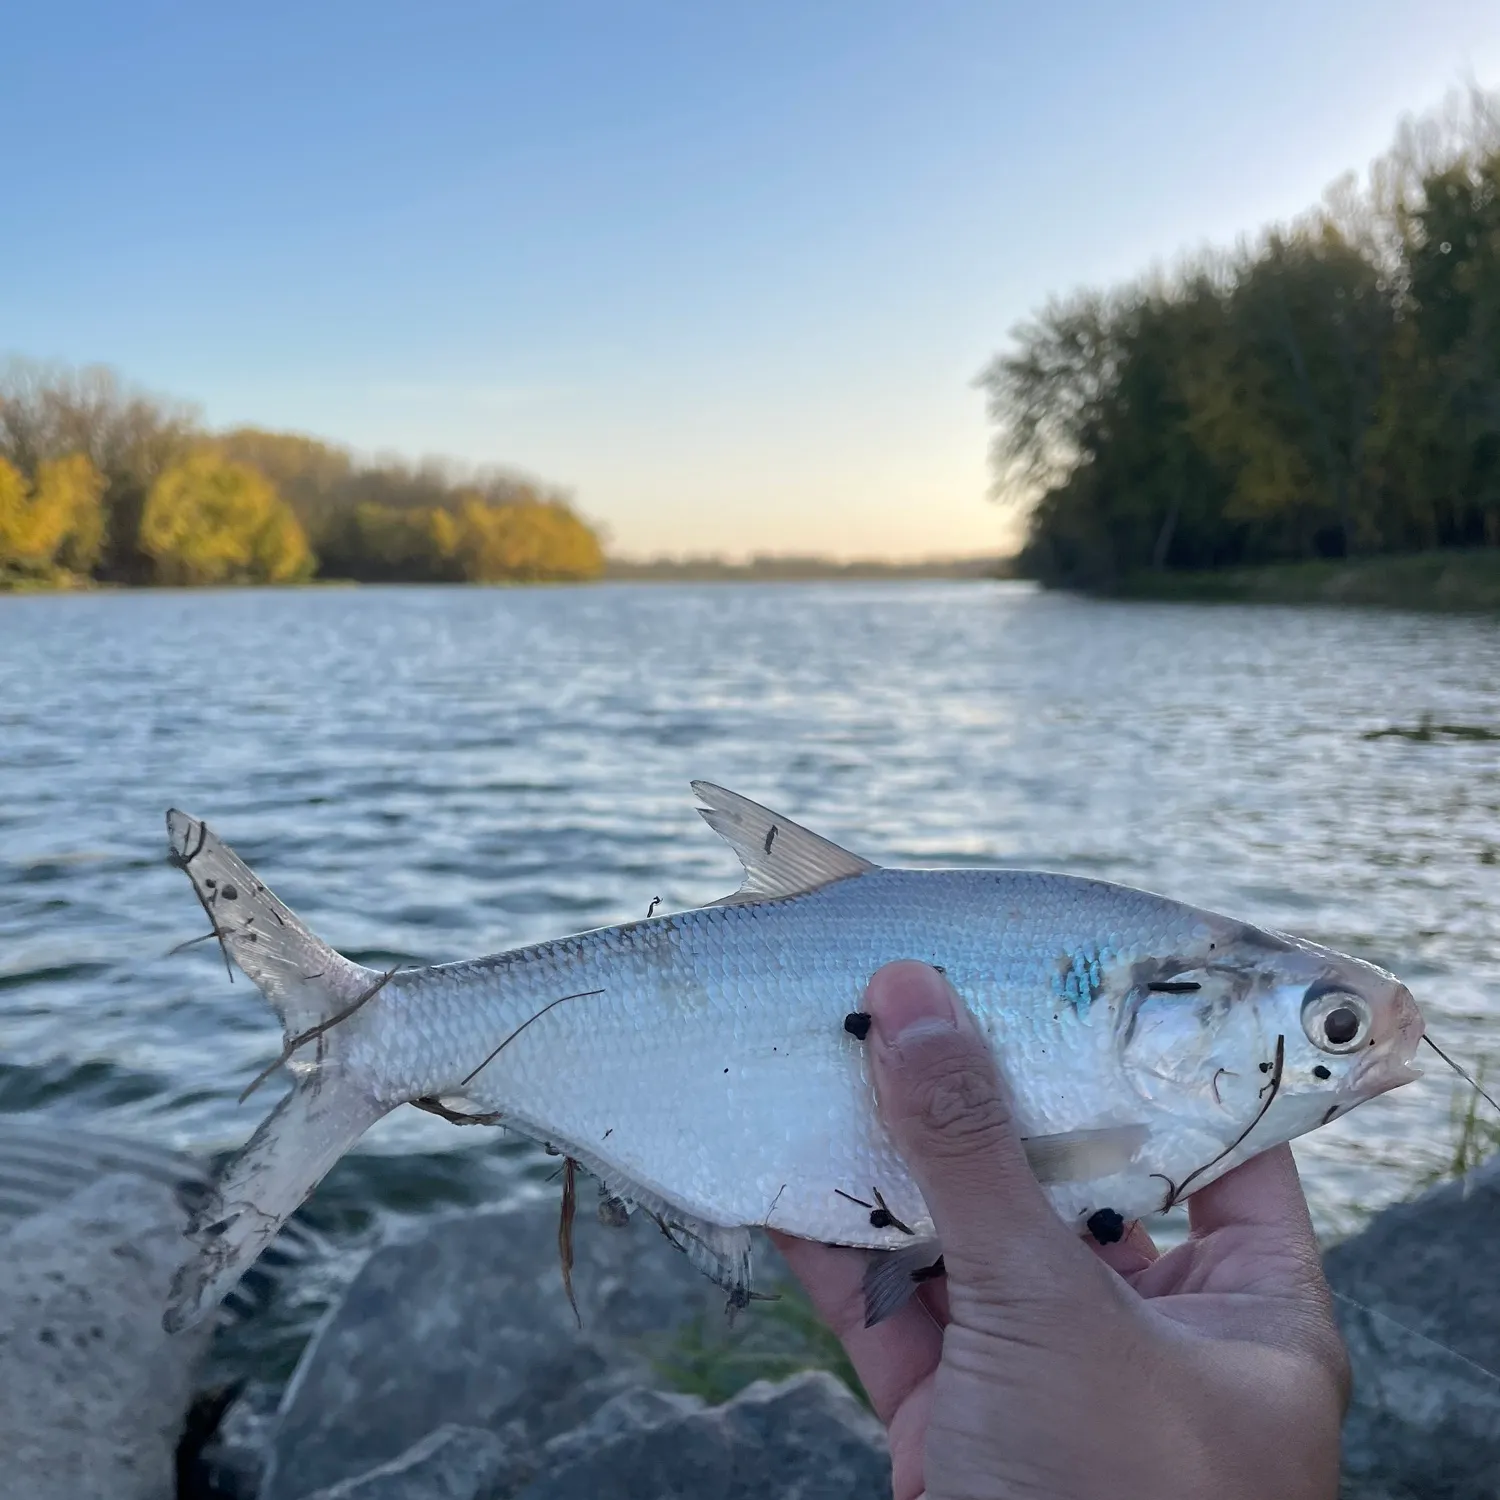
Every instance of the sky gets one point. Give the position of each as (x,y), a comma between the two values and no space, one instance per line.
(725,272)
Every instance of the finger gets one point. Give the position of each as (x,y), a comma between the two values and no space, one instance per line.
(1264,1192)
(892,1358)
(935,1294)
(950,1116)
(1132,1254)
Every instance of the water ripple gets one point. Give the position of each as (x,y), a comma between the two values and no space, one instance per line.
(431,773)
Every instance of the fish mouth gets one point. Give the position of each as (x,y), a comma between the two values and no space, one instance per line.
(1389,1064)
(1381,1074)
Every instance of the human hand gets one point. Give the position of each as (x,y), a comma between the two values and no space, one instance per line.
(1049,1369)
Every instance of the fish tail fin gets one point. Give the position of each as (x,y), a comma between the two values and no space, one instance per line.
(263,1185)
(312,989)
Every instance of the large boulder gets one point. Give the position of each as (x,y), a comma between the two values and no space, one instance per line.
(804,1439)
(465,1322)
(453,1463)
(92,1392)
(1419,1305)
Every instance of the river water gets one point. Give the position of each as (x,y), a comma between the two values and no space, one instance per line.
(429,774)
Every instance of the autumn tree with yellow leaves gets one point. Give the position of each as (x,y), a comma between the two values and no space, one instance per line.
(99,479)
(210,520)
(51,526)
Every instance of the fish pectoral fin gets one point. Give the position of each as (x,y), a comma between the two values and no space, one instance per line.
(1084,1155)
(891,1276)
(781,858)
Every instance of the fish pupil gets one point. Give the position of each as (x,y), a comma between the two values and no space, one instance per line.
(1340,1025)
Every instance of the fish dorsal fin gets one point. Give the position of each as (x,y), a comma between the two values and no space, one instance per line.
(781,858)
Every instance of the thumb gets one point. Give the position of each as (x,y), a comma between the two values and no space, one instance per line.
(949,1114)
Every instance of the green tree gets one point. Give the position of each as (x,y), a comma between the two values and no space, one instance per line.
(208,520)
(381,544)
(1332,388)
(1443,447)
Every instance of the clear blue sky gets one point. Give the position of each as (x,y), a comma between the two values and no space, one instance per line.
(726,271)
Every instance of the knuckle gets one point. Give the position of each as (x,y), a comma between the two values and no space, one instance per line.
(954,1099)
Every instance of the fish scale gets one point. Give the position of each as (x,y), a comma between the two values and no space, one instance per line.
(698,1062)
(726,1018)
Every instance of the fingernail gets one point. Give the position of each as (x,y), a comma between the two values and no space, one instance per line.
(908,999)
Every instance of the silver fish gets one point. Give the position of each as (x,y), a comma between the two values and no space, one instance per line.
(700,1065)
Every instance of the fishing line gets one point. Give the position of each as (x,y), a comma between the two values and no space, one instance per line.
(192,943)
(1467,1078)
(313,1032)
(1175,1193)
(581,995)
(1463,1359)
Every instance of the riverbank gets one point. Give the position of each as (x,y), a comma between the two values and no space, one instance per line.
(1445,581)
(659,570)
(775,568)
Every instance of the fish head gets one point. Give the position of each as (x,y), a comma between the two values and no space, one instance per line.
(1258,1037)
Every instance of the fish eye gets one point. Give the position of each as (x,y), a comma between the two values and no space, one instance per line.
(1335,1021)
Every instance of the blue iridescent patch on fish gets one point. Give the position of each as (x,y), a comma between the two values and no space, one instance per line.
(1080,978)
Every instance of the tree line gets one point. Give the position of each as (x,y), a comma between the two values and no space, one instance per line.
(100,481)
(1328,389)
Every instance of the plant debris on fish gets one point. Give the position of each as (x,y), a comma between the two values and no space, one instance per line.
(703,1065)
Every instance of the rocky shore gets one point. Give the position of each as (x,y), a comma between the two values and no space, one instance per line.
(453,1367)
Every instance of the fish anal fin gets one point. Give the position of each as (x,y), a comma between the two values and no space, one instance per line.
(781,858)
(1084,1155)
(721,1252)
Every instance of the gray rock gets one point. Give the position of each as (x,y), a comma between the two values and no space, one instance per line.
(1419,1307)
(633,1410)
(1430,1265)
(44,1165)
(233,1460)
(1423,1422)
(453,1463)
(804,1439)
(466,1322)
(92,1391)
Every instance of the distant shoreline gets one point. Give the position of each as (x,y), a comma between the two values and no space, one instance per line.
(695,570)
(772,569)
(1436,582)
(1448,582)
